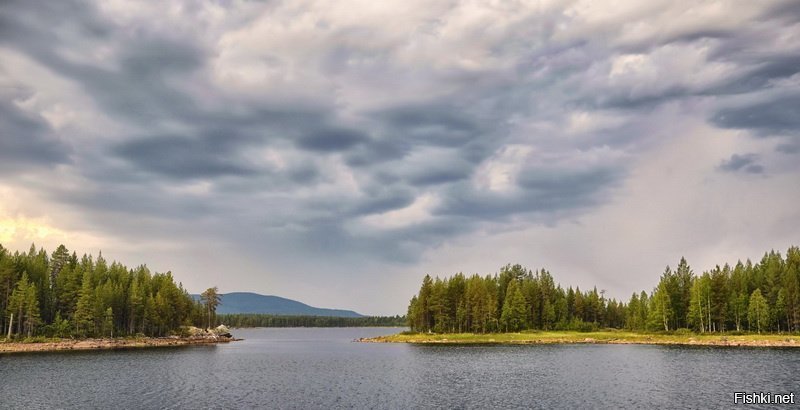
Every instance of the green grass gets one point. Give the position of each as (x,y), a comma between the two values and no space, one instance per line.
(607,336)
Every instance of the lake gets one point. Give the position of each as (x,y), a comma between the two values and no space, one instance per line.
(322,368)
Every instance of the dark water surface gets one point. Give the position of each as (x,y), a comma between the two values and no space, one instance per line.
(323,368)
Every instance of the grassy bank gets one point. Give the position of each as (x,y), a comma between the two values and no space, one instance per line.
(51,344)
(600,337)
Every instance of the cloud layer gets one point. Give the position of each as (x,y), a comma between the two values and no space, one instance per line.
(312,148)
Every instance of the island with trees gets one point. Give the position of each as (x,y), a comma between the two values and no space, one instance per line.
(743,304)
(67,302)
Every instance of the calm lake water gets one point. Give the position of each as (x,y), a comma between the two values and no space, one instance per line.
(323,368)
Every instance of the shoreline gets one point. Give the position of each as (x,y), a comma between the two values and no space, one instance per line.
(107,344)
(548,338)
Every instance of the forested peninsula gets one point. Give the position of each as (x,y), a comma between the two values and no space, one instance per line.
(743,299)
(50,297)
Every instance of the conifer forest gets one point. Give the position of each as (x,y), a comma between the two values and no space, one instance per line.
(744,297)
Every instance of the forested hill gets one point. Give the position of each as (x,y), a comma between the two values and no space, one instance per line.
(262,320)
(246,302)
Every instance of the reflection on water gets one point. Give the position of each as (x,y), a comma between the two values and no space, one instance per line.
(323,368)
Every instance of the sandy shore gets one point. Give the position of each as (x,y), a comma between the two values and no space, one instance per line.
(97,344)
(592,338)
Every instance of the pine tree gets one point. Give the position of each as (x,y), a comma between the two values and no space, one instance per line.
(413,315)
(211,299)
(719,298)
(58,260)
(513,314)
(632,319)
(84,312)
(424,300)
(682,295)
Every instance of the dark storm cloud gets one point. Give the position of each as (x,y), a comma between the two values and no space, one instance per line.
(137,92)
(789,148)
(540,191)
(385,201)
(107,204)
(436,175)
(183,157)
(624,100)
(786,11)
(759,71)
(26,140)
(331,140)
(567,183)
(53,18)
(745,163)
(440,124)
(144,88)
(400,130)
(304,174)
(141,89)
(376,152)
(776,116)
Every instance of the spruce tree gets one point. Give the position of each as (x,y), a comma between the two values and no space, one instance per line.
(84,311)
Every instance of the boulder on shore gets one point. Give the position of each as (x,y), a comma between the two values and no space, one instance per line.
(220,331)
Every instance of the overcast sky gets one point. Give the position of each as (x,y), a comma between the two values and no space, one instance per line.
(335,152)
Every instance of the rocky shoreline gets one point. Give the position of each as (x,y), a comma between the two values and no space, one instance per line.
(196,337)
(97,344)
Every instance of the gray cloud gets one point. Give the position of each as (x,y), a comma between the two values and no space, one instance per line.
(543,192)
(777,116)
(745,162)
(789,148)
(440,124)
(184,157)
(353,141)
(439,175)
(330,140)
(26,140)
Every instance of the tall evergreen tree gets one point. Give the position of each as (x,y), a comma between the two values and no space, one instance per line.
(85,310)
(513,314)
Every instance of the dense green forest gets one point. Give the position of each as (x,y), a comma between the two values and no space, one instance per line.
(263,320)
(63,295)
(760,297)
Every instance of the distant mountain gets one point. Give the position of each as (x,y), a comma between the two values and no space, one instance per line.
(247,302)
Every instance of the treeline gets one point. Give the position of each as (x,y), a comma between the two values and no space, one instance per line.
(746,297)
(63,295)
(263,320)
